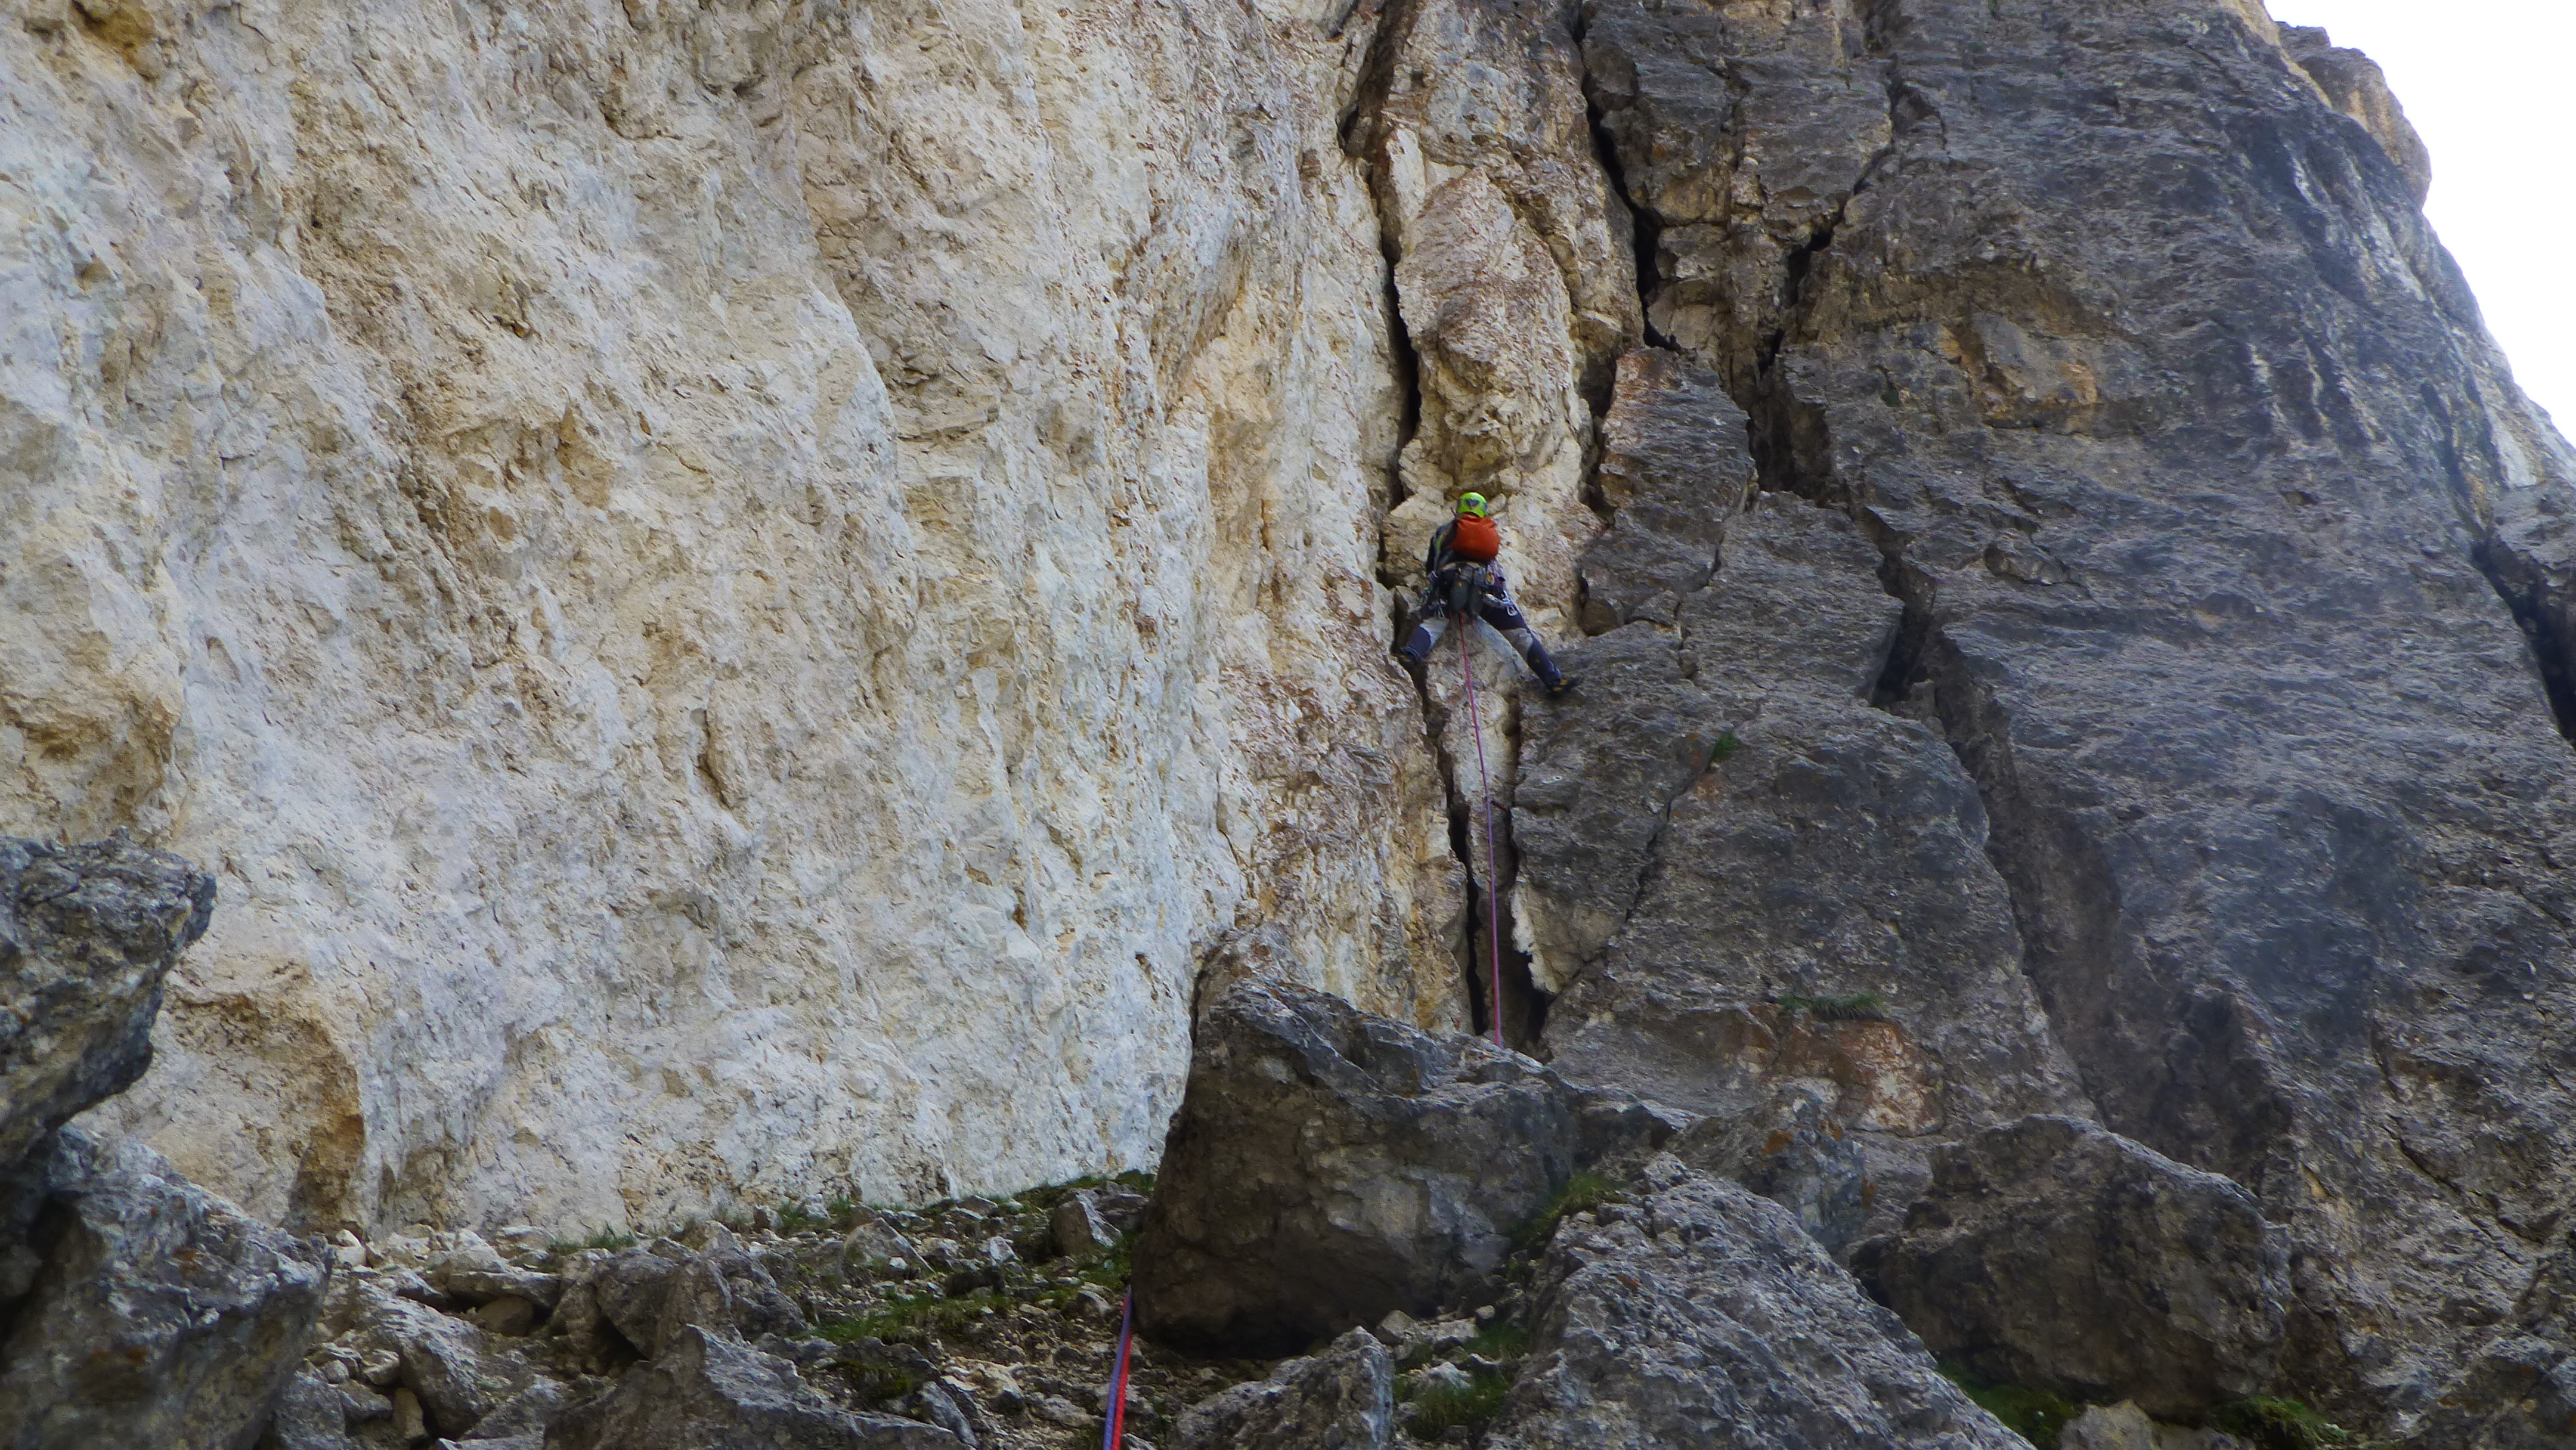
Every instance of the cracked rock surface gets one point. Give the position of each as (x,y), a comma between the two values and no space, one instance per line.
(1328,1167)
(1701,1314)
(2207,531)
(87,935)
(2052,1254)
(787,603)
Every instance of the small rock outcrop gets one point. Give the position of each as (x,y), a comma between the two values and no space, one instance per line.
(649,1294)
(707,1392)
(135,1308)
(1795,1152)
(1328,1166)
(87,933)
(2126,1427)
(2055,1254)
(2354,85)
(1341,1399)
(1703,1315)
(155,1313)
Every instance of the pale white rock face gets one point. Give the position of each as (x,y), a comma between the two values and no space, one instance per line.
(734,592)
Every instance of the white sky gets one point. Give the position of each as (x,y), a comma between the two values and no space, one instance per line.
(2485,83)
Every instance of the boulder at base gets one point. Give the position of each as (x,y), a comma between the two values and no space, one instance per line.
(1701,1315)
(2056,1254)
(1342,1399)
(157,1314)
(1328,1166)
(704,1392)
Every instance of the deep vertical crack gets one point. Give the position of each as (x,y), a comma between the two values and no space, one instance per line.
(1362,133)
(2547,617)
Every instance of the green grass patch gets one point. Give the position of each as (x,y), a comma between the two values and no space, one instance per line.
(1108,1272)
(1440,1409)
(2274,1424)
(908,1318)
(2034,1415)
(1583,1193)
(881,1381)
(606,1238)
(1725,748)
(1846,1007)
(793,1219)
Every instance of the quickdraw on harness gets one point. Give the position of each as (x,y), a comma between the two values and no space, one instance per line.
(1466,594)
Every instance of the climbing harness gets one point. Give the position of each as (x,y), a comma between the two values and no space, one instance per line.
(1117,1408)
(1463,609)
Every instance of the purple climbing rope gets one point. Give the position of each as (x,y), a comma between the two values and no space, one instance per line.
(1116,1428)
(1493,882)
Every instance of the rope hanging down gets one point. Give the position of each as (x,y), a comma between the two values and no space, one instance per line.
(1117,1407)
(1115,1428)
(1493,883)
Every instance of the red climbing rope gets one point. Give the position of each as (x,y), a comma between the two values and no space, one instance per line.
(1493,883)
(1117,1426)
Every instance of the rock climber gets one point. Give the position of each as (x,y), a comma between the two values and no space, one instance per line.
(1466,545)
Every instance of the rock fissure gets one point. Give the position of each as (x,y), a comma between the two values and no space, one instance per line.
(2544,615)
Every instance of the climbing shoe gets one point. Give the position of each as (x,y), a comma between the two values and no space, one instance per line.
(1561,686)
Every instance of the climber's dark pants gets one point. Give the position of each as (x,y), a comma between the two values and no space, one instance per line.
(1495,609)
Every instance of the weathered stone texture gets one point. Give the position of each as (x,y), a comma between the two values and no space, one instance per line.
(155,1313)
(87,935)
(1328,1166)
(1702,1315)
(2353,84)
(2052,1254)
(705,1392)
(2235,576)
(1341,1399)
(1723,825)
(735,589)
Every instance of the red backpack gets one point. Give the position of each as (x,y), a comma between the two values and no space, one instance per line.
(1475,540)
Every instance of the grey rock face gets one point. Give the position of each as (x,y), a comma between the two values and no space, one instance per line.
(458,1372)
(2053,1254)
(159,1315)
(2236,579)
(1835,850)
(1796,1153)
(647,1293)
(1342,1399)
(86,935)
(704,1392)
(1741,133)
(1328,1166)
(1666,470)
(1703,1316)
(2518,1391)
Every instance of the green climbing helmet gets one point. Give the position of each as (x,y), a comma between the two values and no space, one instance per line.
(1472,506)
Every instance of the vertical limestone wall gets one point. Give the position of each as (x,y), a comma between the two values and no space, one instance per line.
(735,592)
